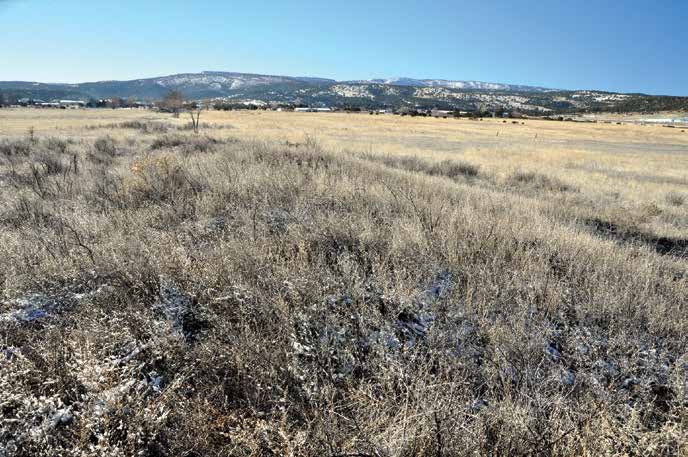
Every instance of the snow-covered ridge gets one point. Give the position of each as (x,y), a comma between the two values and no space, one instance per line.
(467,85)
(218,81)
(233,81)
(348,90)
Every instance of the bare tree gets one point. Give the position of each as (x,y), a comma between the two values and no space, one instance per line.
(195,112)
(195,116)
(116,102)
(173,102)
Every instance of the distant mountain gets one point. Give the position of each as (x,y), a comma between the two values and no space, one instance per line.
(471,85)
(246,88)
(196,86)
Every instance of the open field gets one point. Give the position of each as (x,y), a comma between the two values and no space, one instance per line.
(341,285)
(628,166)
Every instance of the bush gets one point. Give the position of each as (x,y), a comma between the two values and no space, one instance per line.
(454,170)
(49,165)
(538,181)
(675,198)
(9,148)
(56,145)
(188,144)
(146,126)
(447,168)
(169,141)
(105,146)
(159,179)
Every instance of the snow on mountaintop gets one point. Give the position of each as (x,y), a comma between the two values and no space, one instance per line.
(471,85)
(257,89)
(241,80)
(229,80)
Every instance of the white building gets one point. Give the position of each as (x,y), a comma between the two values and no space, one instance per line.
(72,104)
(313,110)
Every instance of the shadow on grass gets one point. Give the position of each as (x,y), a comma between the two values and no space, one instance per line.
(662,245)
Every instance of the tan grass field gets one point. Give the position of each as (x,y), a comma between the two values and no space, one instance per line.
(637,167)
(340,284)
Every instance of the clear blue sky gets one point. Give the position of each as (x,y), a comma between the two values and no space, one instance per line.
(622,45)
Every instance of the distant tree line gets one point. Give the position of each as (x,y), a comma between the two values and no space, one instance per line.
(227,106)
(7,99)
(175,102)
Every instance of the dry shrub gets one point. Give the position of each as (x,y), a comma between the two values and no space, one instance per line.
(146,126)
(452,169)
(448,168)
(169,141)
(675,198)
(46,174)
(160,178)
(48,164)
(204,126)
(187,143)
(539,182)
(105,146)
(9,148)
(56,145)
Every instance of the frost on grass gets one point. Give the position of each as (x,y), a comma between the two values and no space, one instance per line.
(344,344)
(106,389)
(39,306)
(414,321)
(178,308)
(112,394)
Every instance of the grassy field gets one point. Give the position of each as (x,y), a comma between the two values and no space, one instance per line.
(340,285)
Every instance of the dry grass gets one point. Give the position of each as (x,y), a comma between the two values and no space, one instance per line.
(291,286)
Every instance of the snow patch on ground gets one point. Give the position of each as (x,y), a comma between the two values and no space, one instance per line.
(346,90)
(34,307)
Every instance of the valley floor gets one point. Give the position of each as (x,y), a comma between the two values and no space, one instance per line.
(340,284)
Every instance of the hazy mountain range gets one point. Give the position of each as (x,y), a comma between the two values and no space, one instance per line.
(245,88)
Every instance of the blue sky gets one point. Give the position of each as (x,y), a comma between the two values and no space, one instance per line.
(622,45)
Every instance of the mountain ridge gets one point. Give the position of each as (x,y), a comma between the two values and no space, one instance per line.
(399,93)
(401,81)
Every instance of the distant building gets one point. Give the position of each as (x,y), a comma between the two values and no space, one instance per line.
(313,110)
(72,104)
(441,113)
